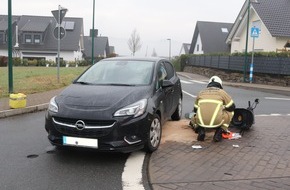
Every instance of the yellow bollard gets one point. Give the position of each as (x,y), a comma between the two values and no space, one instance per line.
(17,100)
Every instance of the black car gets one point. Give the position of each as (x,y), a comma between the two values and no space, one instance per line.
(118,104)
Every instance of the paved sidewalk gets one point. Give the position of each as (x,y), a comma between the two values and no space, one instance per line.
(259,160)
(262,160)
(34,102)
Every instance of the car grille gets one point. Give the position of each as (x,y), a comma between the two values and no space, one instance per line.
(93,128)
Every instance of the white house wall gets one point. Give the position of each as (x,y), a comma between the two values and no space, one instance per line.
(265,42)
(66,55)
(3,52)
(198,43)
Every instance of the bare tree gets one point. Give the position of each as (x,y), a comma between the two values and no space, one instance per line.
(134,42)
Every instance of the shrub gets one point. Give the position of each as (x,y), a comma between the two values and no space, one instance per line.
(3,61)
(17,61)
(32,62)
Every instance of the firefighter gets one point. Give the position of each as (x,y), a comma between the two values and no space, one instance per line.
(213,108)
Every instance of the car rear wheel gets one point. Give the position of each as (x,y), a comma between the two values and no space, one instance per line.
(178,112)
(154,135)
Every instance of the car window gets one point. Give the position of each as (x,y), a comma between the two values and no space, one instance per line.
(119,72)
(169,69)
(161,75)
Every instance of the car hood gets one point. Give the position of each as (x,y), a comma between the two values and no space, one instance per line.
(95,99)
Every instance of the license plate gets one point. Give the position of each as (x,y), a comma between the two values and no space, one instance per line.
(76,141)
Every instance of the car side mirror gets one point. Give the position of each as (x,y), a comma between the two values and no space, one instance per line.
(167,83)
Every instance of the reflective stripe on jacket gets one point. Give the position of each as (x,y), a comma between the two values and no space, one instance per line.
(210,105)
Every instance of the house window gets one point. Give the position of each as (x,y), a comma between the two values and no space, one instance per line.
(197,47)
(36,39)
(28,38)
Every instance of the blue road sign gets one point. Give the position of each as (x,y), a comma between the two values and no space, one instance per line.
(255,32)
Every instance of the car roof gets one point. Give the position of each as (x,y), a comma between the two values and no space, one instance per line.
(155,59)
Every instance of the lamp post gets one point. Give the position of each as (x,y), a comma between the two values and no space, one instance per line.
(10,68)
(93,33)
(247,38)
(169,48)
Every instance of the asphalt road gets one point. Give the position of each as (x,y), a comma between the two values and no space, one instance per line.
(28,161)
(270,103)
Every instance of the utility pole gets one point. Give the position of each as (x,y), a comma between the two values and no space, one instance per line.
(10,64)
(247,38)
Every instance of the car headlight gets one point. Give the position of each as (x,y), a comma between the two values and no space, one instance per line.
(135,109)
(53,105)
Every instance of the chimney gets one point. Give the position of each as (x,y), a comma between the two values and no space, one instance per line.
(95,33)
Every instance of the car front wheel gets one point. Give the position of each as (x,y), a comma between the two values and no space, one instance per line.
(154,135)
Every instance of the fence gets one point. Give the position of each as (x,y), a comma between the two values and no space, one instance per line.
(267,65)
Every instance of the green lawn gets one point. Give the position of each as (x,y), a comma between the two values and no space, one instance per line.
(29,80)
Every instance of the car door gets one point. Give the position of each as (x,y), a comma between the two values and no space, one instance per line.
(166,92)
(175,90)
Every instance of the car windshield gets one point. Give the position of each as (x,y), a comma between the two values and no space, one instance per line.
(118,72)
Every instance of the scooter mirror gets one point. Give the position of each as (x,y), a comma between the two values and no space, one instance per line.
(257,101)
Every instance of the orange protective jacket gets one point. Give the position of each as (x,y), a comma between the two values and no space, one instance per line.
(211,107)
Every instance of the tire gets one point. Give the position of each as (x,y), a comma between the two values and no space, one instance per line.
(154,135)
(176,116)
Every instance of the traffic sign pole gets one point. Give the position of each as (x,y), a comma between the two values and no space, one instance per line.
(252,62)
(254,34)
(59,15)
(58,43)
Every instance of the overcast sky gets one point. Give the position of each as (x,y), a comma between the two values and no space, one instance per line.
(155,20)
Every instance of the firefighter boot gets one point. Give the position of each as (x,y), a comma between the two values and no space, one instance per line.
(201,134)
(218,135)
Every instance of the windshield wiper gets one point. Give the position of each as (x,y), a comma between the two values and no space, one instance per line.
(82,82)
(120,84)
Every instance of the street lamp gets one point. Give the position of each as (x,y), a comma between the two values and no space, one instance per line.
(169,48)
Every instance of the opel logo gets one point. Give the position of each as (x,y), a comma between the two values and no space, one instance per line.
(80,125)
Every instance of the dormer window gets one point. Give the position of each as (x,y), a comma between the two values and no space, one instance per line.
(32,38)
(28,38)
(37,39)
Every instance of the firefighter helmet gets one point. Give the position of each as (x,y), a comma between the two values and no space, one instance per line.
(216,79)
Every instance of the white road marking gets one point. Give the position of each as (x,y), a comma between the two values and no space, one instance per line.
(262,115)
(272,114)
(200,82)
(192,82)
(273,98)
(132,174)
(275,114)
(186,82)
(188,94)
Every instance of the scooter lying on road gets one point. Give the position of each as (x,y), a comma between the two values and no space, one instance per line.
(242,120)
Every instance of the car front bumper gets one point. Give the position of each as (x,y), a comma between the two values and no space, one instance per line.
(123,134)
